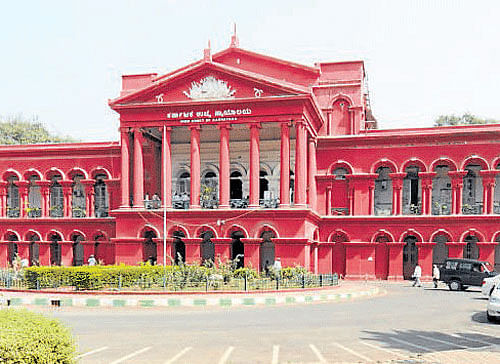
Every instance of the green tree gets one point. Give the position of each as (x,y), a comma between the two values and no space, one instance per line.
(20,130)
(465,119)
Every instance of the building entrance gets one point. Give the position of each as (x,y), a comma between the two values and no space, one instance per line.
(410,257)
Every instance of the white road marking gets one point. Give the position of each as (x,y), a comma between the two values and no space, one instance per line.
(483,333)
(386,350)
(178,355)
(131,355)
(361,356)
(226,355)
(410,344)
(276,351)
(318,354)
(442,341)
(473,340)
(91,352)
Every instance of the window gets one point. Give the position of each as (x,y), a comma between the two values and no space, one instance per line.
(451,265)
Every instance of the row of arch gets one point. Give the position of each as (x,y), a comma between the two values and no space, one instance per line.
(385,162)
(53,170)
(28,235)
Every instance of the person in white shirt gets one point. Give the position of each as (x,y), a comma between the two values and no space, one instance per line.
(92,260)
(277,267)
(417,273)
(435,275)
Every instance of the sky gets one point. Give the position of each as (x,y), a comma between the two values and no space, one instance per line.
(63,60)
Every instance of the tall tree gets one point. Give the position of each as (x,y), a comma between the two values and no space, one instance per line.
(20,130)
(465,119)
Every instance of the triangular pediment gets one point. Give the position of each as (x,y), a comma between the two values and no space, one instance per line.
(207,81)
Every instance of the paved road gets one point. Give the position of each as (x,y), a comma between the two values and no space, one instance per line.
(434,325)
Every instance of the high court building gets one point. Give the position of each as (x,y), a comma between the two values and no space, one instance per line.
(253,157)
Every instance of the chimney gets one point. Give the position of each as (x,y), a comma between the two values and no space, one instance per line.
(234,39)
(207,56)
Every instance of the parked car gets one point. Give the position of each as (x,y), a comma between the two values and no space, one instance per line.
(459,274)
(493,309)
(489,285)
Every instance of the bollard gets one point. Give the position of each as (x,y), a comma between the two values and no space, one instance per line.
(246,283)
(120,282)
(321,280)
(277,283)
(206,284)
(303,280)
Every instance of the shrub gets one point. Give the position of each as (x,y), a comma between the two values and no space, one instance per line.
(27,337)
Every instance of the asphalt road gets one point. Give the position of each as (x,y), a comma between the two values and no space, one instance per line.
(433,325)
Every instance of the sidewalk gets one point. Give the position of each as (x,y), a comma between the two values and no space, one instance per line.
(344,292)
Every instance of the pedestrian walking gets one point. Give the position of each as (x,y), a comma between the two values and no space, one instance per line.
(92,261)
(435,275)
(417,273)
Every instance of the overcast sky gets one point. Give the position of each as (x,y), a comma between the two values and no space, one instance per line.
(62,60)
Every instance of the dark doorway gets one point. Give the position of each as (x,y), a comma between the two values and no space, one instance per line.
(12,248)
(179,247)
(382,257)
(440,250)
(236,186)
(410,256)
(149,247)
(267,250)
(263,185)
(238,249)
(55,250)
(207,248)
(471,250)
(77,250)
(34,250)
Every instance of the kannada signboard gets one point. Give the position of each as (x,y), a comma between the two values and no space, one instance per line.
(206,116)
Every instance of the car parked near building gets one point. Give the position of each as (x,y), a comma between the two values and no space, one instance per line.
(493,309)
(459,274)
(489,284)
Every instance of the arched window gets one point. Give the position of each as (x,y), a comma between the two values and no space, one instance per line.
(209,194)
(237,249)
(56,197)
(264,192)
(34,208)
(183,183)
(12,197)
(78,258)
(150,252)
(382,196)
(78,200)
(12,248)
(472,195)
(292,187)
(412,192)
(55,249)
(267,251)
(236,190)
(207,248)
(101,202)
(34,250)
(441,191)
(410,256)
(341,119)
(179,247)
(471,249)
(180,199)
(340,201)
(440,250)
(382,257)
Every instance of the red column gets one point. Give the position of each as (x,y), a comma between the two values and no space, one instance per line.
(311,182)
(300,164)
(397,186)
(138,169)
(89,196)
(67,198)
(224,160)
(125,173)
(457,187)
(3,199)
(488,178)
(23,197)
(45,194)
(427,191)
(425,259)
(371,188)
(328,200)
(285,166)
(195,166)
(395,261)
(166,169)
(254,165)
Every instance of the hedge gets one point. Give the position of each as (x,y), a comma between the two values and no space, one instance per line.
(123,276)
(27,337)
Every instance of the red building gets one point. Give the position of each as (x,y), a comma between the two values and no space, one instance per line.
(260,158)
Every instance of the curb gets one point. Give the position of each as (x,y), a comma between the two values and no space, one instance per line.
(55,301)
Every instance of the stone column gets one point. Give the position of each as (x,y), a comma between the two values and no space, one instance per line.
(138,169)
(125,170)
(488,178)
(89,196)
(67,198)
(45,194)
(23,197)
(397,186)
(195,166)
(285,165)
(300,164)
(311,182)
(166,168)
(427,191)
(224,161)
(254,165)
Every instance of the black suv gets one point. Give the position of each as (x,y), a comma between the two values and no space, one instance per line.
(458,274)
